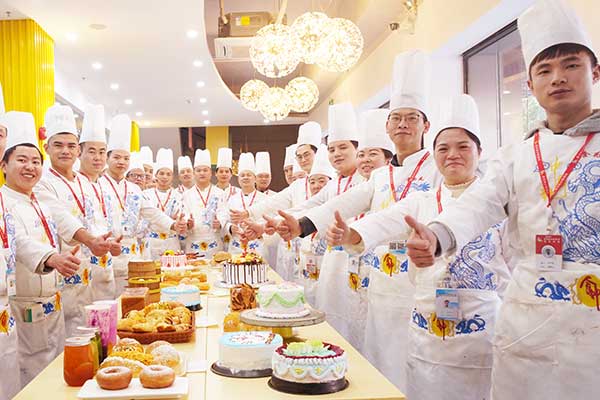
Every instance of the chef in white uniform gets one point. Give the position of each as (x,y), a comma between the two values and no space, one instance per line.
(412,168)
(147,158)
(288,163)
(130,206)
(313,247)
(244,199)
(200,205)
(224,172)
(263,173)
(168,200)
(36,301)
(450,351)
(549,324)
(92,144)
(61,187)
(185,173)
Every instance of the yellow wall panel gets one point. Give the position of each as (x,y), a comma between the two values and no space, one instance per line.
(216,136)
(27,67)
(135,136)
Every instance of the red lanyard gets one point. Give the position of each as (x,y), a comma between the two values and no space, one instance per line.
(542,171)
(121,202)
(205,202)
(409,181)
(230,192)
(244,202)
(347,184)
(3,232)
(438,197)
(160,203)
(306,196)
(40,213)
(80,204)
(99,196)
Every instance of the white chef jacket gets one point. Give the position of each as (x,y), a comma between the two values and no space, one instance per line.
(203,238)
(169,202)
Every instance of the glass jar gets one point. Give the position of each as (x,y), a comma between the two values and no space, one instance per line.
(78,362)
(94,334)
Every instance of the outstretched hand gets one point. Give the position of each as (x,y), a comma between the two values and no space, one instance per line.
(421,244)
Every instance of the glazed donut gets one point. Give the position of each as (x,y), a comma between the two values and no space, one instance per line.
(157,376)
(114,378)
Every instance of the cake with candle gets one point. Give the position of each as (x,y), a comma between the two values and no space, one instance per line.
(310,362)
(247,268)
(247,351)
(281,301)
(173,259)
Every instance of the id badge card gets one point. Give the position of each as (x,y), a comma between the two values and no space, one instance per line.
(548,252)
(311,265)
(11,285)
(34,313)
(447,305)
(353,265)
(397,247)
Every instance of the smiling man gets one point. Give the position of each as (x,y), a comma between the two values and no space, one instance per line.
(375,149)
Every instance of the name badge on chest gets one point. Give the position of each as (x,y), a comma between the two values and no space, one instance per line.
(397,247)
(447,304)
(548,252)
(353,265)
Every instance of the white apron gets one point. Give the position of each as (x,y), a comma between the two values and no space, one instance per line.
(203,205)
(170,203)
(39,342)
(357,286)
(288,260)
(10,384)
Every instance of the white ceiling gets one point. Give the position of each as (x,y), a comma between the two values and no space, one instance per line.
(144,49)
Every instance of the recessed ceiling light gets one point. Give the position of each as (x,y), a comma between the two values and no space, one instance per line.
(203,100)
(192,34)
(206,122)
(128,102)
(139,114)
(98,27)
(147,123)
(96,65)
(198,63)
(266,121)
(204,112)
(71,37)
(200,83)
(114,86)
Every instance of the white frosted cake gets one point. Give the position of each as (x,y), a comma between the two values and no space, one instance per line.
(189,295)
(309,362)
(284,300)
(246,351)
(249,268)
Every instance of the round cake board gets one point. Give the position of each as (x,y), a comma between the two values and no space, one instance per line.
(225,285)
(308,388)
(229,373)
(313,318)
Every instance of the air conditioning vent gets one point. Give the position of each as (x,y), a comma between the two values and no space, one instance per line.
(232,48)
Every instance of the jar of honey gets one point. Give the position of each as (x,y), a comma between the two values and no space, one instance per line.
(78,362)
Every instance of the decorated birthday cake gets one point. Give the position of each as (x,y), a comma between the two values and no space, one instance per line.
(284,300)
(246,351)
(309,362)
(247,268)
(189,295)
(172,259)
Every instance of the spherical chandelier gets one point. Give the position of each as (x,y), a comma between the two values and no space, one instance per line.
(251,92)
(274,104)
(341,45)
(274,51)
(309,29)
(303,94)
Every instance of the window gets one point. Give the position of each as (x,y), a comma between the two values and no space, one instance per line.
(495,76)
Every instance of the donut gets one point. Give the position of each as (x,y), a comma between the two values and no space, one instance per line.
(157,376)
(114,378)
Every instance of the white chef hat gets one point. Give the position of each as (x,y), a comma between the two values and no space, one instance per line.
(460,112)
(135,161)
(410,81)
(372,130)
(296,167)
(342,123)
(164,159)
(184,162)
(263,163)
(202,158)
(225,158)
(59,119)
(21,129)
(290,155)
(246,163)
(147,156)
(321,165)
(548,23)
(93,128)
(120,133)
(309,133)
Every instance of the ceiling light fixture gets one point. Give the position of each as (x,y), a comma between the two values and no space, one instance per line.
(303,94)
(192,34)
(128,102)
(204,112)
(200,84)
(251,92)
(341,45)
(114,86)
(97,66)
(203,100)
(139,114)
(198,63)
(274,51)
(309,29)
(274,104)
(206,122)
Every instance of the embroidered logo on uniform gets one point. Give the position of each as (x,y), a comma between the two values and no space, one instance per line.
(586,291)
(552,291)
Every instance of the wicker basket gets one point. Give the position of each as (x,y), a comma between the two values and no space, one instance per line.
(171,337)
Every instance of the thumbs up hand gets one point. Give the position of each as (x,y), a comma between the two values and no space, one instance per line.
(289,228)
(271,225)
(115,246)
(421,244)
(180,225)
(65,263)
(252,230)
(338,233)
